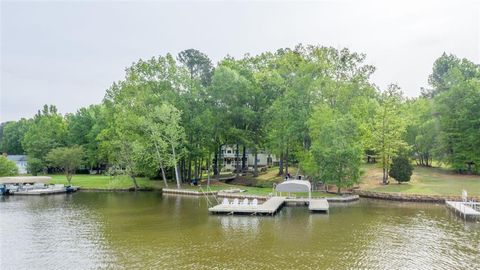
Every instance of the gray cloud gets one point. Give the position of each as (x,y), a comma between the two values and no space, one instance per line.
(68,54)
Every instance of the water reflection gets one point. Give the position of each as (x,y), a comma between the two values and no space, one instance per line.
(147,230)
(240,223)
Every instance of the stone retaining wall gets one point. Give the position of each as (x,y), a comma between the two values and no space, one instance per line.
(187,192)
(409,197)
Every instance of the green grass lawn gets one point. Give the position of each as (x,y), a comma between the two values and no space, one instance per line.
(428,181)
(104,182)
(124,182)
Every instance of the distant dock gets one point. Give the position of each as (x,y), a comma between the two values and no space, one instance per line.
(269,207)
(467,210)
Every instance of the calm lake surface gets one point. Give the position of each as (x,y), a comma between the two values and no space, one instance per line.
(150,231)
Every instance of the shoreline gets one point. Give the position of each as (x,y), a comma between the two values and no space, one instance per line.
(405,197)
(354,196)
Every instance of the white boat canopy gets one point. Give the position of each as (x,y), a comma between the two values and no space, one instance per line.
(294,186)
(25,179)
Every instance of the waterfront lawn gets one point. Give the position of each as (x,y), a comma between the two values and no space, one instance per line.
(103,182)
(428,181)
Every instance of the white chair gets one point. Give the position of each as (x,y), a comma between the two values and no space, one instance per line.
(245,202)
(254,202)
(235,202)
(225,201)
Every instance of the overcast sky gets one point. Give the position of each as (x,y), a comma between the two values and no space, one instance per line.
(68,54)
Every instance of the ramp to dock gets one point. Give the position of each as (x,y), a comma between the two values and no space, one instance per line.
(269,207)
(465,209)
(318,205)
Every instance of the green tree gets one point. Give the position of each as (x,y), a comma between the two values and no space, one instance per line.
(7,167)
(458,112)
(198,64)
(401,169)
(422,130)
(11,136)
(35,166)
(69,159)
(335,155)
(388,128)
(46,132)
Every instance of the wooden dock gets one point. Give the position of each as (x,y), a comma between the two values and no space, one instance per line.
(464,209)
(269,207)
(318,205)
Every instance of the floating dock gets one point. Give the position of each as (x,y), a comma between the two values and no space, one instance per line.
(269,207)
(318,205)
(465,209)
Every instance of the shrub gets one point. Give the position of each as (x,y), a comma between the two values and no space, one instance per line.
(401,169)
(34,166)
(7,167)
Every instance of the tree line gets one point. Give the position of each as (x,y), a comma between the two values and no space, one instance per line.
(311,106)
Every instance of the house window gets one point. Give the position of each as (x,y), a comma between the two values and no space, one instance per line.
(229,151)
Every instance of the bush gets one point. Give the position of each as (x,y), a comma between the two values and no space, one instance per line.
(401,169)
(7,167)
(34,166)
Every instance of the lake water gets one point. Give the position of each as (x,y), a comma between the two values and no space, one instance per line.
(150,231)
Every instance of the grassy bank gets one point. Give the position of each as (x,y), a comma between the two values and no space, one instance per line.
(123,182)
(104,182)
(426,181)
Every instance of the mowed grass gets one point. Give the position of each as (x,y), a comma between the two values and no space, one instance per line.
(428,181)
(104,182)
(86,181)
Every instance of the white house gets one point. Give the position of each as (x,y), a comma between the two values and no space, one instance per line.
(229,157)
(20,161)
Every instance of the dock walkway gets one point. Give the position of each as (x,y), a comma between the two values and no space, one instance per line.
(269,207)
(464,209)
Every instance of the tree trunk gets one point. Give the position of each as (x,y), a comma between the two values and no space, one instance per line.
(237,161)
(280,165)
(244,158)
(286,162)
(135,185)
(255,165)
(215,163)
(177,176)
(164,177)
(69,179)
(189,175)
